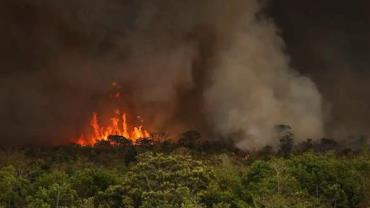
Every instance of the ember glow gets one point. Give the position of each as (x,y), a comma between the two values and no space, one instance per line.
(118,125)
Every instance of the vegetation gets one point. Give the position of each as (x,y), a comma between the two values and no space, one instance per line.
(190,174)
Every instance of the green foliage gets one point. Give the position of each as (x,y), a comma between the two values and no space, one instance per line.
(87,177)
(88,182)
(12,187)
(270,184)
(334,182)
(159,180)
(54,190)
(226,190)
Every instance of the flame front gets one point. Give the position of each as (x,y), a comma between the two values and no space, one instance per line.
(118,126)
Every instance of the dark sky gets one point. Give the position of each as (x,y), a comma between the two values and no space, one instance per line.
(328,41)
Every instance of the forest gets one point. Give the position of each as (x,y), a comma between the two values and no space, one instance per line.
(86,84)
(189,173)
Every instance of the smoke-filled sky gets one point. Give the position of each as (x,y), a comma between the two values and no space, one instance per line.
(221,67)
(329,41)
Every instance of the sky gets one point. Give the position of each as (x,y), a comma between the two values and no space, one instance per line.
(329,41)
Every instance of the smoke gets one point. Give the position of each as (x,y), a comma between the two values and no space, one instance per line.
(214,66)
(329,42)
(254,88)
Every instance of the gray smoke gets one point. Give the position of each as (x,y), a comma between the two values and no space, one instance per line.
(254,88)
(214,66)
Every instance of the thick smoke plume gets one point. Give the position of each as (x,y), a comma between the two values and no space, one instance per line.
(215,66)
(329,42)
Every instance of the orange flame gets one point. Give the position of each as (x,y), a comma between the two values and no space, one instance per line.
(118,126)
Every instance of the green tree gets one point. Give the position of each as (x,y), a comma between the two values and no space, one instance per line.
(53,189)
(226,189)
(88,182)
(270,184)
(13,188)
(336,182)
(159,180)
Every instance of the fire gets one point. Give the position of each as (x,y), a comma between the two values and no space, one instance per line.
(118,126)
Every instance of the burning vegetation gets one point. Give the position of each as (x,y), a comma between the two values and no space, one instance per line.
(205,109)
(118,127)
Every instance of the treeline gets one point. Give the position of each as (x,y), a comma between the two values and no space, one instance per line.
(92,177)
(192,141)
(189,173)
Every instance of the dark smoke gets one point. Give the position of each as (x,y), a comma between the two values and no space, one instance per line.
(329,41)
(215,66)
